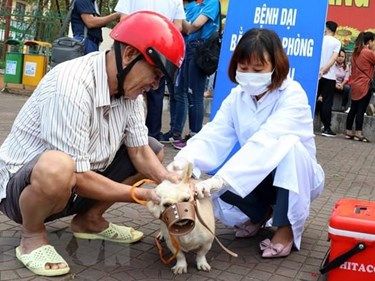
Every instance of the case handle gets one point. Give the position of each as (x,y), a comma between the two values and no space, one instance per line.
(327,266)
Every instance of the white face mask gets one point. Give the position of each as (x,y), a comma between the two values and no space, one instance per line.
(252,83)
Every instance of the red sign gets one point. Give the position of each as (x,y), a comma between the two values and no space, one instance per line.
(352,16)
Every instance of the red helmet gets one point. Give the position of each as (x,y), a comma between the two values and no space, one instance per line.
(156,37)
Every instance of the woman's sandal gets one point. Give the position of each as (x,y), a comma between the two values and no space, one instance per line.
(361,138)
(349,136)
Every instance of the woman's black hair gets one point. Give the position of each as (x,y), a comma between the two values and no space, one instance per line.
(256,44)
(362,40)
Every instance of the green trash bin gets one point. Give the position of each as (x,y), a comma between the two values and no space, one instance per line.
(13,63)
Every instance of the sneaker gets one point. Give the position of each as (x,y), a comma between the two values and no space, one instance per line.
(188,136)
(328,133)
(179,144)
(169,137)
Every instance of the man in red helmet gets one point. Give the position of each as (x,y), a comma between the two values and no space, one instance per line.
(80,139)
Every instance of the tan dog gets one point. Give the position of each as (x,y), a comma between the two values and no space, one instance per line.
(199,239)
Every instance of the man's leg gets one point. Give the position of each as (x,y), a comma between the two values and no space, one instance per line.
(327,95)
(51,182)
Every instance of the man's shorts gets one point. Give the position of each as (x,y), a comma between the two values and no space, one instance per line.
(120,169)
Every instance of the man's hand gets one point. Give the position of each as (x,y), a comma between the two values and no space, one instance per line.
(147,194)
(173,177)
(204,188)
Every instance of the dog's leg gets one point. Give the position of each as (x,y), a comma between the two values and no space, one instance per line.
(181,264)
(202,263)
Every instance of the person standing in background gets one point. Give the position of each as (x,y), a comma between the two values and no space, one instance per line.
(203,20)
(363,62)
(174,11)
(87,23)
(327,82)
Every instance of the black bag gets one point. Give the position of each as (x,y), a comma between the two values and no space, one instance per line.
(66,48)
(207,55)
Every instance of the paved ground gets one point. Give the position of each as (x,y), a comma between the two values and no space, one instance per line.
(350,172)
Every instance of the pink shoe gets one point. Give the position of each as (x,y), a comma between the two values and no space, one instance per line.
(247,229)
(278,250)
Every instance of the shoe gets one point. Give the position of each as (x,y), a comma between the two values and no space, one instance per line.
(36,260)
(247,229)
(278,250)
(328,133)
(360,138)
(114,233)
(347,110)
(180,144)
(169,137)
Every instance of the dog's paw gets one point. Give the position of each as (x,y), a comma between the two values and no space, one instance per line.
(179,268)
(202,264)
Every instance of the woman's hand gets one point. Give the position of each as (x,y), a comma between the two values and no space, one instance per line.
(204,188)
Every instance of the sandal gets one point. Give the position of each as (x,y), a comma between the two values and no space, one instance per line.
(38,258)
(114,233)
(361,138)
(349,136)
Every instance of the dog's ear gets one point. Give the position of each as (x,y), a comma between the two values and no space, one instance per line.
(154,209)
(188,171)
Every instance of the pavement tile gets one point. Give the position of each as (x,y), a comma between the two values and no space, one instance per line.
(242,270)
(280,278)
(8,275)
(259,275)
(229,276)
(92,274)
(287,272)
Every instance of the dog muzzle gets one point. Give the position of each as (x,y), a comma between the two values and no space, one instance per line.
(179,218)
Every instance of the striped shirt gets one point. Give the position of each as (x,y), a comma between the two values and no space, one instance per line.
(71,111)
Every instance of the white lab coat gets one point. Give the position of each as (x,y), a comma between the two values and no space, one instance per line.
(276,132)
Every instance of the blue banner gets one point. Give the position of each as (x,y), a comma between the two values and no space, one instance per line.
(300,26)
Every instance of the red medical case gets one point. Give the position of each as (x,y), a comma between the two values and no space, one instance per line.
(352,235)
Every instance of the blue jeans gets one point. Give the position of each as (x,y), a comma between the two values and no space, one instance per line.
(155,110)
(90,45)
(188,95)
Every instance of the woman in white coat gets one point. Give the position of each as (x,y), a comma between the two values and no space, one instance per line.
(274,174)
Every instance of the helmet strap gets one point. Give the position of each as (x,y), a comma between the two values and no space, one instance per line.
(122,72)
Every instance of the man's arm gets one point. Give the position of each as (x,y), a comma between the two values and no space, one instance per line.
(95,186)
(188,28)
(91,21)
(178,24)
(325,68)
(147,163)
